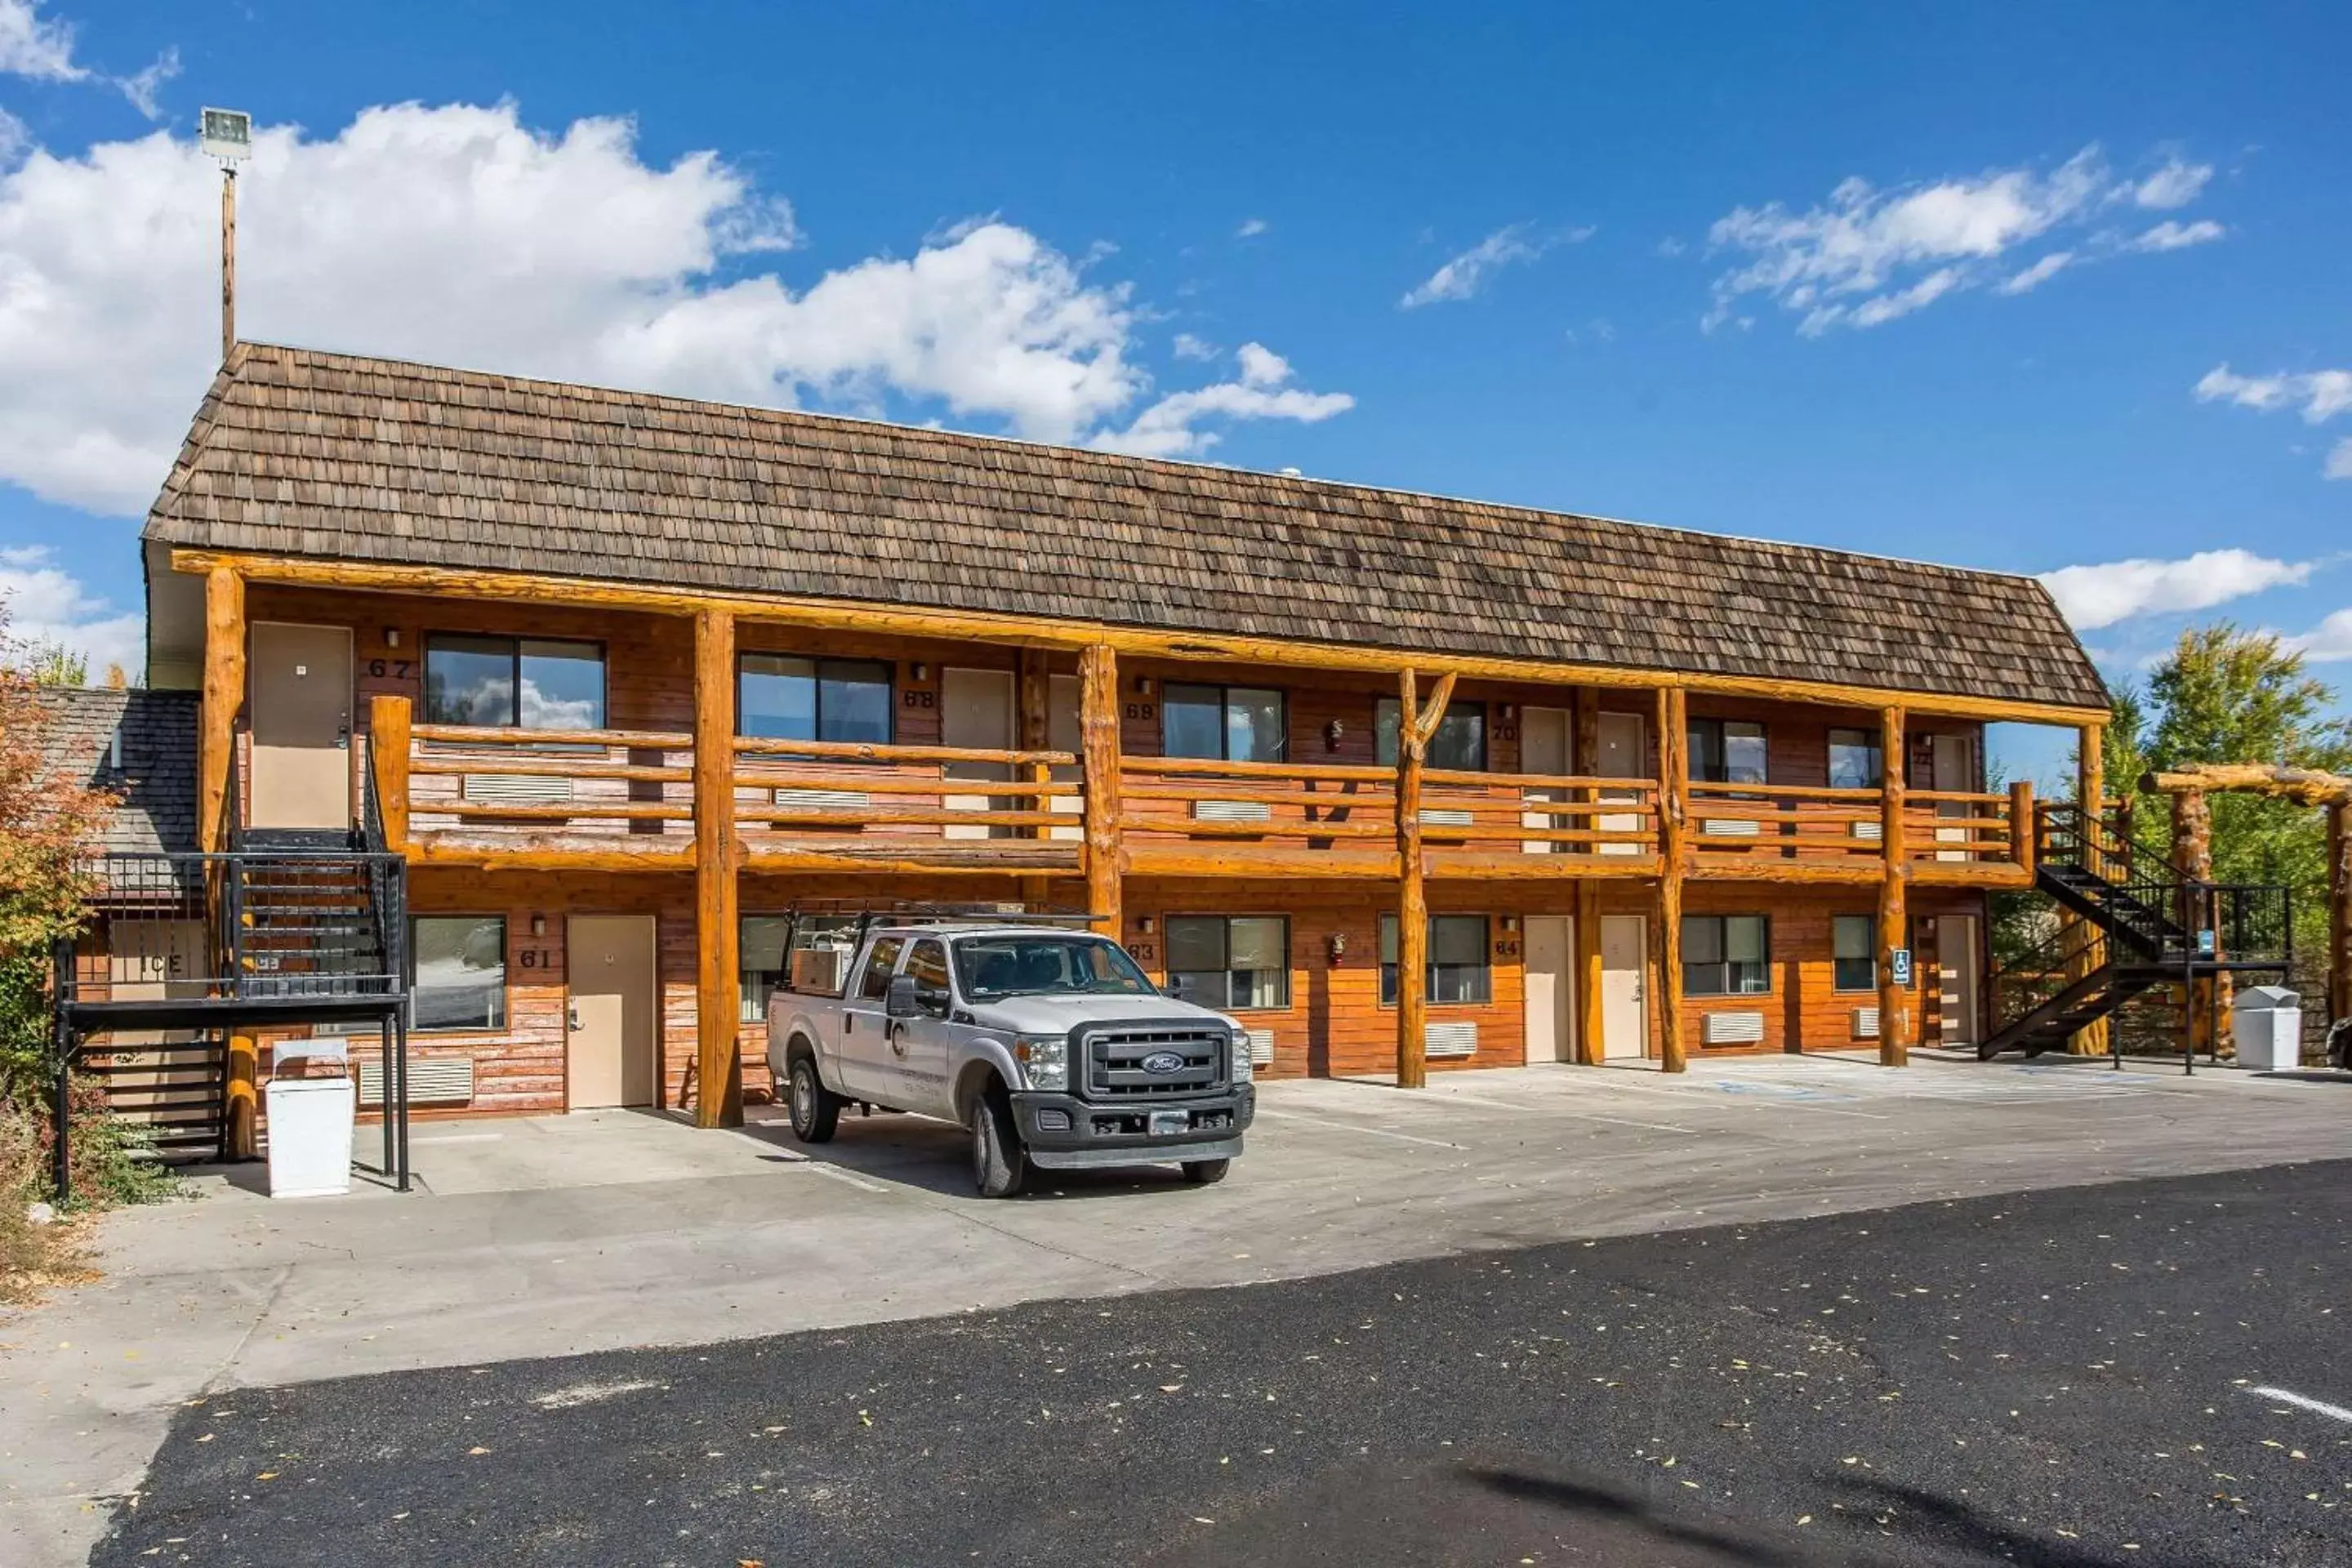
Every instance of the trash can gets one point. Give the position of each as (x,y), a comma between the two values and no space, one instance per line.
(2266,1025)
(310,1124)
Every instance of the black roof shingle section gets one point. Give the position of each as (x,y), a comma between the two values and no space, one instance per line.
(308,453)
(155,776)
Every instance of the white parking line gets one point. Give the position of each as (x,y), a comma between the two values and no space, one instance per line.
(1539,1108)
(838,1175)
(2303,1402)
(1265,1115)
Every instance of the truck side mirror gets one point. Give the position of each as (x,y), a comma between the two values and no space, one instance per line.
(901,1000)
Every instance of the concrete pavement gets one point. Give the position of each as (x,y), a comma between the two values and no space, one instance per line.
(561,1236)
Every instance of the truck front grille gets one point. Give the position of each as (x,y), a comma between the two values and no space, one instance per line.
(1115,1058)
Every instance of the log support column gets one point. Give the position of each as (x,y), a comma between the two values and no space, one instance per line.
(1587,762)
(718,857)
(1674,853)
(1894,1022)
(1416,722)
(2192,851)
(223,695)
(2340,910)
(1098,732)
(1034,701)
(388,747)
(2090,946)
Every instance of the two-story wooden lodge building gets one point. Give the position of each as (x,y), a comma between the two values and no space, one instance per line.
(1395,778)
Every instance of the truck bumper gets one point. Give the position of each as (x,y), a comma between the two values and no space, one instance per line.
(1064,1133)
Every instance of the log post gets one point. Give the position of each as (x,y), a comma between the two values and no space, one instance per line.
(1590,1024)
(1035,729)
(2090,947)
(242,1109)
(1416,723)
(2022,844)
(388,746)
(718,1061)
(223,695)
(2192,851)
(2340,910)
(1673,851)
(1894,915)
(1099,730)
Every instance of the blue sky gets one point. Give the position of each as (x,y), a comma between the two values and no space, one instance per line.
(1068,222)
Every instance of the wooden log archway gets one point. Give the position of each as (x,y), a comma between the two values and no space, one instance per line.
(2191,784)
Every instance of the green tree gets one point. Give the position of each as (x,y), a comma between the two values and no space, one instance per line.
(52,664)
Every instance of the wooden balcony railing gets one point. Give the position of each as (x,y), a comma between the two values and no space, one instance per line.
(623,797)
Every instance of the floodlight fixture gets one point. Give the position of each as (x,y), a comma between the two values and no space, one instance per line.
(226,134)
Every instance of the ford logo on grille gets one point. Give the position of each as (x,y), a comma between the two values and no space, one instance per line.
(1159,1064)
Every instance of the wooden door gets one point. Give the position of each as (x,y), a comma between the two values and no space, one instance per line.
(1550,988)
(1062,734)
(1547,746)
(1956,769)
(976,711)
(614,1016)
(301,725)
(1624,754)
(1956,978)
(1624,986)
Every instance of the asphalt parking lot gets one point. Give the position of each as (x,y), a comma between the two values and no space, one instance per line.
(553,1236)
(2108,1374)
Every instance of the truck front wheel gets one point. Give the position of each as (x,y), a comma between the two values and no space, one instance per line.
(1200,1173)
(998,1164)
(815,1108)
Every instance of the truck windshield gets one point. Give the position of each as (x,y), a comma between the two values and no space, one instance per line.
(993,966)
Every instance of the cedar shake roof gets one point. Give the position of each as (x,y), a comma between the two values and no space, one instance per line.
(306,454)
(156,776)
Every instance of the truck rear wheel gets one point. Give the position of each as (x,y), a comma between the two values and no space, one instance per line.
(815,1109)
(1202,1173)
(998,1166)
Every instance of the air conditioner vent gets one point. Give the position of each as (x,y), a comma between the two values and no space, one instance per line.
(1231,811)
(518,789)
(434,1080)
(1731,1030)
(1457,1038)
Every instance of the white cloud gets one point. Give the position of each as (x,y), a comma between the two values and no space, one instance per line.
(32,48)
(2175,185)
(1466,273)
(2033,277)
(2318,394)
(2100,596)
(2173,235)
(1670,247)
(46,605)
(1867,256)
(1191,346)
(1167,428)
(2327,643)
(14,137)
(460,235)
(2339,460)
(1251,229)
(43,50)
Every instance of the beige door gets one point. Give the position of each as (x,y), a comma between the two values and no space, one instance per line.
(1063,733)
(1624,754)
(1551,988)
(1956,975)
(1956,769)
(614,1016)
(976,711)
(1546,746)
(301,719)
(1624,986)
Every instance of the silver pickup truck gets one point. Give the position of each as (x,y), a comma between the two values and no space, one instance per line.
(1049,1045)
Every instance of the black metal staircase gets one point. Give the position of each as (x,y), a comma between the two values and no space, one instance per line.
(2141,922)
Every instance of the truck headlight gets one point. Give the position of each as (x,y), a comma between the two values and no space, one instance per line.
(1245,1067)
(1044,1059)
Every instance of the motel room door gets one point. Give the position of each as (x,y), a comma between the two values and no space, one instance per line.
(1551,987)
(976,710)
(301,719)
(1956,976)
(1955,769)
(1624,986)
(1546,744)
(613,1015)
(1624,754)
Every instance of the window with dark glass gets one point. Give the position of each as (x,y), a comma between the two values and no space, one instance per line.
(1854,945)
(1457,960)
(1854,760)
(1233,961)
(526,683)
(457,972)
(873,986)
(1460,743)
(1726,955)
(779,697)
(928,966)
(1727,751)
(1229,723)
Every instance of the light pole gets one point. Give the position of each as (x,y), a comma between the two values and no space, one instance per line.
(228,135)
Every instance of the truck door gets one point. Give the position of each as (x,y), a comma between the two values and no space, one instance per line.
(863,1052)
(926,1043)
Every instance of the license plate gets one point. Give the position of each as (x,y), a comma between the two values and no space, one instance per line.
(1164,1123)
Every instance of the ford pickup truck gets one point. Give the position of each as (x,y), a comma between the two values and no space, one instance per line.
(1049,1046)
